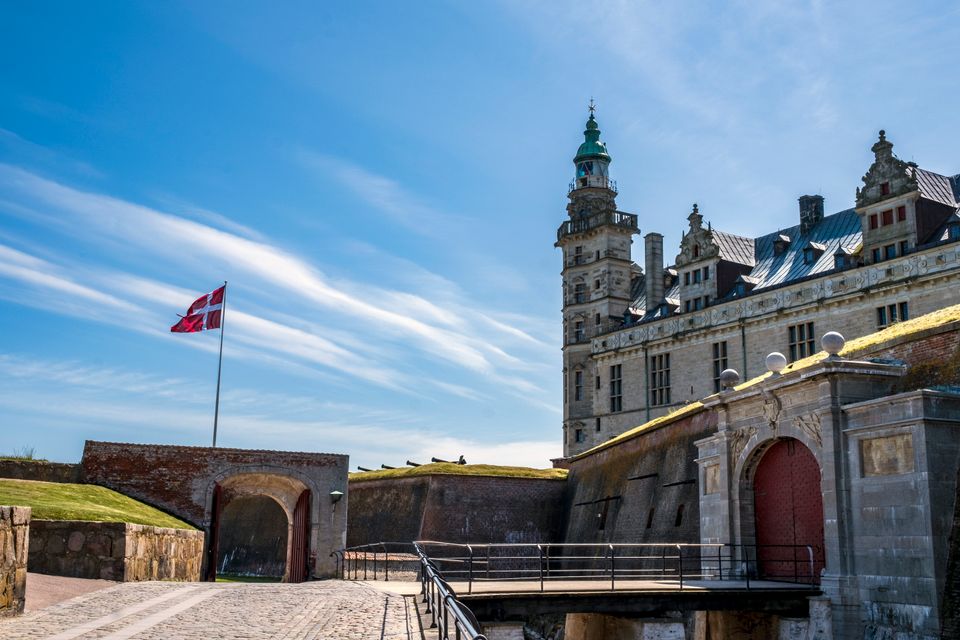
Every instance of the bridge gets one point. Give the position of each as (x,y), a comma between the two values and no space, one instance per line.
(462,584)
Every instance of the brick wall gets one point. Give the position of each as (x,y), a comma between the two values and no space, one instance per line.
(41,470)
(451,508)
(181,480)
(14,539)
(114,551)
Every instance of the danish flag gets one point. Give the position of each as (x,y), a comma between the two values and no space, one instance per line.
(205,313)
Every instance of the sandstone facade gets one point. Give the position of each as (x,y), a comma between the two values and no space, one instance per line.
(14,543)
(115,551)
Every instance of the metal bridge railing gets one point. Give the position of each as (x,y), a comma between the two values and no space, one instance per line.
(675,562)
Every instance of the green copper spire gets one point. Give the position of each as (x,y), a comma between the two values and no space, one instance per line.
(592,148)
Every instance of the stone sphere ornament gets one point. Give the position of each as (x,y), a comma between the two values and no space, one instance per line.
(729,378)
(832,342)
(776,361)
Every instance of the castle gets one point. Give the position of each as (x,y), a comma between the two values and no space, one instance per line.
(641,342)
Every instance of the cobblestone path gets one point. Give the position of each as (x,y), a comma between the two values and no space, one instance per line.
(177,611)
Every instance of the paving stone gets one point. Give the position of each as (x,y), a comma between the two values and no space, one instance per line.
(179,611)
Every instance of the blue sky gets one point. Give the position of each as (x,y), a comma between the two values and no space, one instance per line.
(381,184)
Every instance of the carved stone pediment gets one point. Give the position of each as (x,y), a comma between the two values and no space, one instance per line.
(739,440)
(698,242)
(810,425)
(886,169)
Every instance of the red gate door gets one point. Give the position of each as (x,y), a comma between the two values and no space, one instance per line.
(789,513)
(300,547)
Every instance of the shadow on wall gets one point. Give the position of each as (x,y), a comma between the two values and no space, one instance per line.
(253,538)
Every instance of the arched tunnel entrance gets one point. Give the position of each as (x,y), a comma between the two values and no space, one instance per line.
(253,538)
(259,527)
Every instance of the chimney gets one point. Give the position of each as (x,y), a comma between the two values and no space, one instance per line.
(811,212)
(653,260)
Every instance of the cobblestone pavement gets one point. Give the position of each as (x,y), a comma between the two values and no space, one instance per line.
(178,611)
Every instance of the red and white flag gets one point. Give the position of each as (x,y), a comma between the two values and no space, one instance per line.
(205,313)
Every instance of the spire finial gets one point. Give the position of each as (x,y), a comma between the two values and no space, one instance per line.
(883,135)
(592,107)
(696,209)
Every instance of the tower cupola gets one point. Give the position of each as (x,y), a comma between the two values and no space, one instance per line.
(592,160)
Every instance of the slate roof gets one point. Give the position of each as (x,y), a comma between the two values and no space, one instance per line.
(840,231)
(837,234)
(937,187)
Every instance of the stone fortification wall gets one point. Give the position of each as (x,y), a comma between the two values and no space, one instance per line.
(951,596)
(644,489)
(14,539)
(179,480)
(41,470)
(115,551)
(183,481)
(452,508)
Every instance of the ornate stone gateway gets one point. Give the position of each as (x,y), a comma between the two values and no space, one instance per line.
(789,511)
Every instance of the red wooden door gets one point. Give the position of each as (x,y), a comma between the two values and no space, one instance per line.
(300,545)
(789,512)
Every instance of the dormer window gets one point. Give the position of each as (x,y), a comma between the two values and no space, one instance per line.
(696,251)
(885,188)
(953,231)
(780,244)
(812,252)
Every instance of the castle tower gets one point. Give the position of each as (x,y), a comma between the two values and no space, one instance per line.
(596,242)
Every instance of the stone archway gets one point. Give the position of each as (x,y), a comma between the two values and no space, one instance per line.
(252,538)
(787,508)
(236,502)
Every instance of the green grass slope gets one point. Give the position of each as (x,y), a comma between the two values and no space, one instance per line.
(56,501)
(448,468)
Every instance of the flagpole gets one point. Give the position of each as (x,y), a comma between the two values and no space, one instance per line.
(223,322)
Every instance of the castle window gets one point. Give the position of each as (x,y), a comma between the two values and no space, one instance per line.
(890,251)
(802,341)
(650,518)
(706,273)
(696,276)
(904,247)
(596,283)
(719,362)
(596,320)
(698,304)
(579,293)
(886,217)
(686,278)
(577,387)
(901,213)
(616,389)
(598,384)
(598,425)
(578,331)
(578,435)
(660,379)
(578,255)
(875,254)
(874,221)
(686,306)
(679,519)
(696,251)
(892,313)
(808,257)
(953,232)
(885,189)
